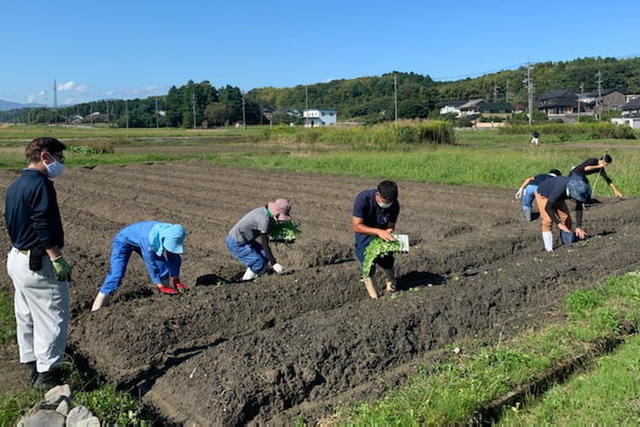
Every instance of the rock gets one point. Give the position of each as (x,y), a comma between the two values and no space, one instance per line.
(45,418)
(89,422)
(63,407)
(78,414)
(57,394)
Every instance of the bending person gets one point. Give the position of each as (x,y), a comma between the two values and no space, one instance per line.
(550,197)
(159,244)
(242,238)
(593,165)
(527,190)
(375,213)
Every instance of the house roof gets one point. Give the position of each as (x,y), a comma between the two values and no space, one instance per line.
(555,94)
(632,105)
(494,107)
(605,92)
(456,103)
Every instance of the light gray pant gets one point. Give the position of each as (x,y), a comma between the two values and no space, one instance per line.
(42,311)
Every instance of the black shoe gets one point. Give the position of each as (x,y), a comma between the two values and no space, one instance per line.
(32,373)
(48,380)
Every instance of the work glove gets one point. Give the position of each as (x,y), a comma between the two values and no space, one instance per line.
(519,194)
(278,268)
(62,268)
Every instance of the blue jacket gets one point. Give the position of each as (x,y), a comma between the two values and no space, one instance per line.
(137,236)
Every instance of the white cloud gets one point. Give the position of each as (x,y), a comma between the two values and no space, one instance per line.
(151,88)
(69,101)
(110,93)
(82,88)
(31,99)
(42,93)
(66,86)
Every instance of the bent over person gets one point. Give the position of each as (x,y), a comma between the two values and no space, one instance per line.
(242,240)
(39,272)
(596,166)
(159,244)
(550,197)
(375,213)
(527,190)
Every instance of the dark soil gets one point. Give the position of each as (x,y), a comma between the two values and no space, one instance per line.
(295,344)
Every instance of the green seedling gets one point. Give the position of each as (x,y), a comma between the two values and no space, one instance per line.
(284,231)
(376,249)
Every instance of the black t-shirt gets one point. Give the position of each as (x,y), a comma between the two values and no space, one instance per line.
(540,178)
(555,190)
(366,207)
(592,161)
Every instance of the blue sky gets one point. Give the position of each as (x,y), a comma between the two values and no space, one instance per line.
(137,48)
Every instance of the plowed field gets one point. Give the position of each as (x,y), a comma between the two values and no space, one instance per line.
(232,353)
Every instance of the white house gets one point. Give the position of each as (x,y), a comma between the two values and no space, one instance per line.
(315,118)
(632,122)
(452,107)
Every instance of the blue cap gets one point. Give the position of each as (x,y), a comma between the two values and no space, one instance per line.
(172,238)
(579,189)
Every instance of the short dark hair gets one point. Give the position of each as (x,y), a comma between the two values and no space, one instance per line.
(388,190)
(40,145)
(607,158)
(556,172)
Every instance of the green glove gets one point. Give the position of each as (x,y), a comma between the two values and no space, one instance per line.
(62,268)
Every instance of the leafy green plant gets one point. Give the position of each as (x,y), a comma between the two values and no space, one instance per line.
(7,319)
(284,231)
(110,406)
(376,249)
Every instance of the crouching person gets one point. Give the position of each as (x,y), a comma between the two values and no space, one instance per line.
(551,198)
(35,263)
(159,244)
(527,190)
(242,240)
(375,213)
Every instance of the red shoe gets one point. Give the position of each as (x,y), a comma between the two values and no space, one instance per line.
(179,286)
(166,290)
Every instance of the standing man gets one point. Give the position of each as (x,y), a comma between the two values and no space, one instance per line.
(160,246)
(593,165)
(375,213)
(242,238)
(527,190)
(39,272)
(550,197)
(535,137)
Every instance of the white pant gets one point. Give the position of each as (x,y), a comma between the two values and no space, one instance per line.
(42,311)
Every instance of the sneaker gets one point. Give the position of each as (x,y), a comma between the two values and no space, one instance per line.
(180,286)
(248,275)
(166,290)
(32,373)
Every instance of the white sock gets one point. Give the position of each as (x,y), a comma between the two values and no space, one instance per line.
(547,238)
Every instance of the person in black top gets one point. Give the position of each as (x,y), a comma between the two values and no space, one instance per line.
(593,165)
(527,190)
(39,272)
(551,196)
(375,213)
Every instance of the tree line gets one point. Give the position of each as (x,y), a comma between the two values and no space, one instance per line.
(368,99)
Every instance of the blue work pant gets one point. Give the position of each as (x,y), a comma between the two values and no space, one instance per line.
(250,254)
(528,196)
(120,254)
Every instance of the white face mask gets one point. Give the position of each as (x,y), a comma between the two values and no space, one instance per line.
(384,205)
(54,169)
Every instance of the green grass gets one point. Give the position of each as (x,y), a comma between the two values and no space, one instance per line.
(7,319)
(66,132)
(608,394)
(12,406)
(450,393)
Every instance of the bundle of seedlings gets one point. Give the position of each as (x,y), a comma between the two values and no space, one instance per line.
(284,231)
(379,248)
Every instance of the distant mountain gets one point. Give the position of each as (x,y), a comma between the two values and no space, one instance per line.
(8,105)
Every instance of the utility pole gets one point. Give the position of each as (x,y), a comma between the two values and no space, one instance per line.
(193,104)
(495,92)
(529,82)
(157,125)
(395,97)
(599,102)
(106,106)
(55,102)
(244,114)
(126,112)
(91,112)
(506,95)
(306,97)
(579,98)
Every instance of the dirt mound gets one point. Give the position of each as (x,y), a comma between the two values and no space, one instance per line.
(239,352)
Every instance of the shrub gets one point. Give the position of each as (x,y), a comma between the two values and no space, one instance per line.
(596,130)
(89,148)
